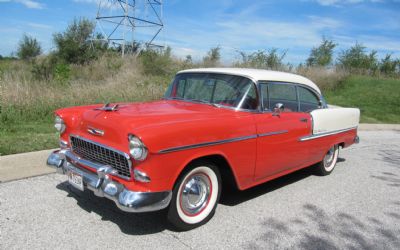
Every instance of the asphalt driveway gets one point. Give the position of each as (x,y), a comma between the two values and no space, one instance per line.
(357,206)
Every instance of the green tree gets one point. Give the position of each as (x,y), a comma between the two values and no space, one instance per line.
(357,60)
(28,48)
(323,54)
(388,65)
(188,62)
(262,59)
(74,45)
(213,57)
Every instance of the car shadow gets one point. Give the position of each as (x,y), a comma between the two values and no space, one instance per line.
(154,222)
(129,223)
(233,197)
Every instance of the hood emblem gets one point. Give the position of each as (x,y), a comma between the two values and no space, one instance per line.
(95,131)
(107,107)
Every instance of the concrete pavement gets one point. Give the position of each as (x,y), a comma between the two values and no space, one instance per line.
(356,207)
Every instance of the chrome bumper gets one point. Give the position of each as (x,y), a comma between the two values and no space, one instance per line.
(65,161)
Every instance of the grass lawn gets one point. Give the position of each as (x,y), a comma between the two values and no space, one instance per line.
(27,137)
(378,99)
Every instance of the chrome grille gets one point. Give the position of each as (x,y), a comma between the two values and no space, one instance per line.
(100,154)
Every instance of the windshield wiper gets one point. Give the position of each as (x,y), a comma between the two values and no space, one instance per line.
(206,102)
(194,100)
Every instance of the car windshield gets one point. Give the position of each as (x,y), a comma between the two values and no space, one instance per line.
(217,89)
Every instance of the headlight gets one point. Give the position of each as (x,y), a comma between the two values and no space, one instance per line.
(136,148)
(59,124)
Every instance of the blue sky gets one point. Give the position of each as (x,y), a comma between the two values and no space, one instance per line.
(192,27)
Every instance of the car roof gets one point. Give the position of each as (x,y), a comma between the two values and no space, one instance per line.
(258,75)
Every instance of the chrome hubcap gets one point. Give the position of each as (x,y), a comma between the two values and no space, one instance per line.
(195,194)
(329,157)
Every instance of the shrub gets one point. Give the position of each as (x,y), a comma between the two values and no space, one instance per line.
(262,59)
(156,62)
(213,57)
(28,48)
(321,55)
(62,73)
(74,45)
(388,65)
(356,60)
(43,68)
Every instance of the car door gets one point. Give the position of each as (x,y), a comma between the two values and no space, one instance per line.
(278,145)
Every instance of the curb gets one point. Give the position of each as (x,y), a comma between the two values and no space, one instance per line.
(20,166)
(378,127)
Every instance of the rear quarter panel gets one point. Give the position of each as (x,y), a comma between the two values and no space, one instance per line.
(332,119)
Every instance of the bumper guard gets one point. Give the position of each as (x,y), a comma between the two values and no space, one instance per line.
(65,161)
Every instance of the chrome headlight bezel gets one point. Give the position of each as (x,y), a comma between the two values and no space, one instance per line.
(59,124)
(137,149)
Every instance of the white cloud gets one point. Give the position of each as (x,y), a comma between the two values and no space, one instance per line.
(342,2)
(39,25)
(104,4)
(249,35)
(27,3)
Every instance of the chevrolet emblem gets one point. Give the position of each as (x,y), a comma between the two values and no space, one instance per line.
(94,131)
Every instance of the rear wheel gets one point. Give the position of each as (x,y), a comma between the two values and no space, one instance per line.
(195,196)
(327,165)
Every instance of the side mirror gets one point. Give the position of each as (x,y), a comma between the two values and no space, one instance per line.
(278,109)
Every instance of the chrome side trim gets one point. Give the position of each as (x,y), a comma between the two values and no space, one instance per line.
(273,133)
(319,135)
(205,144)
(103,186)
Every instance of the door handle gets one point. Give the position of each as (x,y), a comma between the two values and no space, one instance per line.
(303,119)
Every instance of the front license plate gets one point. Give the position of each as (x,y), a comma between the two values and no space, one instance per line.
(75,180)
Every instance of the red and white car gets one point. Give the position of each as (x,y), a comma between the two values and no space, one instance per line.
(214,127)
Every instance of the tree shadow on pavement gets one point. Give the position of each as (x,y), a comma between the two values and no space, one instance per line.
(319,230)
(129,223)
(392,157)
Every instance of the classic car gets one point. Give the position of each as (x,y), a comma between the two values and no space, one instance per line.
(214,127)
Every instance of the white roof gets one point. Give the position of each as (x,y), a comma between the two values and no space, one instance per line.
(258,75)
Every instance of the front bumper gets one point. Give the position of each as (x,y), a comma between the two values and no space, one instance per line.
(64,161)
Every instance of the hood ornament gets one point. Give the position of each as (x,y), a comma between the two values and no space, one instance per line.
(95,131)
(107,107)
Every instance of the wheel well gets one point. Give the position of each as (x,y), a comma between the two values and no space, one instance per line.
(227,177)
(341,144)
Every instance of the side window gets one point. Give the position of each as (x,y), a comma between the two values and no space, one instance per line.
(285,94)
(308,100)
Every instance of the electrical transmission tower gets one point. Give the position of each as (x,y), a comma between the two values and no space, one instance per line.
(129,25)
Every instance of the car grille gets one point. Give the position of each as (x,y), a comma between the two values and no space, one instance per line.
(100,154)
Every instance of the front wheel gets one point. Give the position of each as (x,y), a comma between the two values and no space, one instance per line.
(327,165)
(195,196)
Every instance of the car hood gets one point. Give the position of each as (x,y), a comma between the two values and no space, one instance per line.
(141,119)
(150,114)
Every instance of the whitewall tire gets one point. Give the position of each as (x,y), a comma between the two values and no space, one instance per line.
(328,163)
(195,196)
